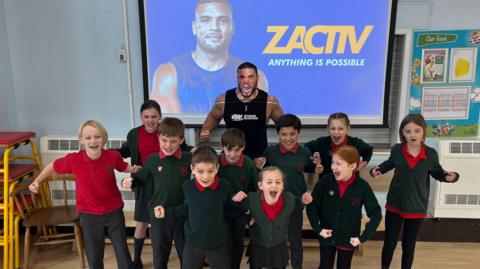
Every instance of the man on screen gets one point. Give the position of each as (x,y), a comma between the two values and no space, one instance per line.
(189,83)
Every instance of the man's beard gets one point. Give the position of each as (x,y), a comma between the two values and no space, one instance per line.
(251,92)
(213,48)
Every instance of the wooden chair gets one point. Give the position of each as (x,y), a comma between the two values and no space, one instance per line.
(45,219)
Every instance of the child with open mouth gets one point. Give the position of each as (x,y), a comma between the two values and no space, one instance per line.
(336,211)
(271,208)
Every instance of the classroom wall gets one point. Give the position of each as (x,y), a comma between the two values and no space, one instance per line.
(8,109)
(64,66)
(59,65)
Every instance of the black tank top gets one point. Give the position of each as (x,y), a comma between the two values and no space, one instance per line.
(250,118)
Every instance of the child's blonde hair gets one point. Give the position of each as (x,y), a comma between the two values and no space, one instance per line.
(271,169)
(95,124)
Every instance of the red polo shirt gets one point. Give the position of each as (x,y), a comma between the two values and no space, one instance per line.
(284,150)
(413,160)
(148,144)
(272,211)
(343,185)
(214,185)
(96,187)
(177,154)
(334,147)
(224,161)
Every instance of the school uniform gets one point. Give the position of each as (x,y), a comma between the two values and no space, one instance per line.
(268,247)
(131,148)
(242,176)
(324,145)
(205,225)
(338,207)
(293,163)
(168,174)
(99,203)
(407,198)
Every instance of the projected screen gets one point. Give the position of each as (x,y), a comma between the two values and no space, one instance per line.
(316,57)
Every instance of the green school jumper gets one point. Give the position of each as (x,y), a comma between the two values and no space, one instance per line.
(168,175)
(410,188)
(343,215)
(292,166)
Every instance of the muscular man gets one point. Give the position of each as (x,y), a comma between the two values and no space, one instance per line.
(190,82)
(246,108)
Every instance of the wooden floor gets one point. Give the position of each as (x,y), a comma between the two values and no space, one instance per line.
(429,255)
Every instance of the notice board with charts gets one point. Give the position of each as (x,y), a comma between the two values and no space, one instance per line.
(445,86)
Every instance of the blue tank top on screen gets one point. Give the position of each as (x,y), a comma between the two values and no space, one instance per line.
(198,88)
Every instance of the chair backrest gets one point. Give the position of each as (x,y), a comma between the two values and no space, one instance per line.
(27,202)
(63,179)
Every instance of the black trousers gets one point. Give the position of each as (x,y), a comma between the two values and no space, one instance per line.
(411,228)
(193,257)
(236,234)
(295,238)
(162,233)
(94,227)
(327,257)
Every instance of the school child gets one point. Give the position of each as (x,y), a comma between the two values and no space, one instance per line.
(292,159)
(336,211)
(168,169)
(98,199)
(271,208)
(338,129)
(240,172)
(407,197)
(206,198)
(142,141)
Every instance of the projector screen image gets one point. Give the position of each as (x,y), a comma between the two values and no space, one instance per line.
(316,57)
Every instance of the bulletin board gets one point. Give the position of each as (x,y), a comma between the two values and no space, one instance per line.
(445,86)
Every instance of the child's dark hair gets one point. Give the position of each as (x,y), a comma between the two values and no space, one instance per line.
(271,169)
(151,104)
(417,119)
(349,154)
(233,137)
(246,65)
(339,116)
(204,154)
(171,127)
(288,120)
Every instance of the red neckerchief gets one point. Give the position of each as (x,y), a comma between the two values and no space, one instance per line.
(414,160)
(272,211)
(343,185)
(177,154)
(214,185)
(333,147)
(225,162)
(284,150)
